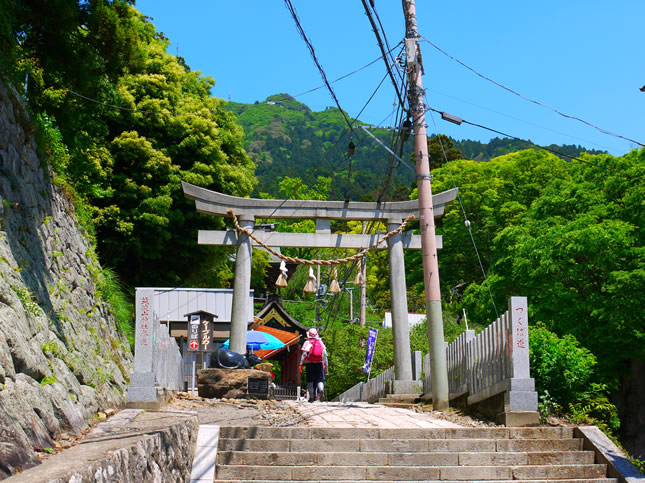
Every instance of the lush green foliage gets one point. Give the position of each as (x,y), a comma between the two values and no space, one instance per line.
(576,250)
(123,123)
(132,123)
(563,371)
(109,289)
(285,138)
(564,378)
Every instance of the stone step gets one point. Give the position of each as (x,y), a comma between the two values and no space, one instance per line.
(268,432)
(396,404)
(402,398)
(565,480)
(307,458)
(410,473)
(400,445)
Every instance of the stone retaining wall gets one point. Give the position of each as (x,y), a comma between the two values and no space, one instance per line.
(62,358)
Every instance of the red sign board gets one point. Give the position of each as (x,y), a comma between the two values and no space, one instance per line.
(194,344)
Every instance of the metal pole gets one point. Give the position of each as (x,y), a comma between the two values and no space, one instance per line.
(440,398)
(364,284)
(192,388)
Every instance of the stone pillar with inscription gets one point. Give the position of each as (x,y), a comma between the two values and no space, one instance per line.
(521,400)
(143,384)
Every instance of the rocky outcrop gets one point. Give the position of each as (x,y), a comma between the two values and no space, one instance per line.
(61,356)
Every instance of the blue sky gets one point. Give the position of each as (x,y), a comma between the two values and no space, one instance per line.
(581,57)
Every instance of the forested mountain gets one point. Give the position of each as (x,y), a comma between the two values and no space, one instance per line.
(286,138)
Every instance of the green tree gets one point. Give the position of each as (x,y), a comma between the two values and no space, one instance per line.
(577,252)
(441,150)
(137,121)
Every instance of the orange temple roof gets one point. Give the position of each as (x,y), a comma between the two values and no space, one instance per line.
(288,338)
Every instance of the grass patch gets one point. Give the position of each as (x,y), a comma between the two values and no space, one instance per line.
(48,380)
(110,290)
(27,300)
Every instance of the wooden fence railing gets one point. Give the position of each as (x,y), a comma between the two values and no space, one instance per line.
(479,366)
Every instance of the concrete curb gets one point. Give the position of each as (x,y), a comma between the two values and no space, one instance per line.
(618,465)
(137,446)
(203,470)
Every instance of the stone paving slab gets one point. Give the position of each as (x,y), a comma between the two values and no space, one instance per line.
(364,415)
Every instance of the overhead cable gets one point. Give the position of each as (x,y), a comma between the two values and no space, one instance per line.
(380,44)
(558,153)
(315,59)
(466,221)
(604,131)
(349,74)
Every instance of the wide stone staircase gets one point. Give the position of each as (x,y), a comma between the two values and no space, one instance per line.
(381,454)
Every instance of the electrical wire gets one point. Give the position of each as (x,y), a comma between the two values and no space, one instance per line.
(380,44)
(586,141)
(604,131)
(294,15)
(557,153)
(466,221)
(347,75)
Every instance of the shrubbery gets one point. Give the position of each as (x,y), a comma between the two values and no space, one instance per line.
(564,379)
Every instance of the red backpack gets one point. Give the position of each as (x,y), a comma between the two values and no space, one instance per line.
(316,351)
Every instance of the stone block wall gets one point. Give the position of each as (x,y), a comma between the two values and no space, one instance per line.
(62,358)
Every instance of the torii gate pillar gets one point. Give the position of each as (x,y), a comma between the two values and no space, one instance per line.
(241,288)
(398,291)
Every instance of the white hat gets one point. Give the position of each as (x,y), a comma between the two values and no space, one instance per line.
(312,333)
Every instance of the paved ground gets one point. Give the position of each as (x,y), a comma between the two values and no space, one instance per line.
(364,415)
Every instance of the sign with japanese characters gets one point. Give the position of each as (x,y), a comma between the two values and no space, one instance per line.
(193,332)
(200,333)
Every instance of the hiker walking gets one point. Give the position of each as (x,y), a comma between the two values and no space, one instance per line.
(314,356)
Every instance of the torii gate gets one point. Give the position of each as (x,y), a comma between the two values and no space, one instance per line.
(249,209)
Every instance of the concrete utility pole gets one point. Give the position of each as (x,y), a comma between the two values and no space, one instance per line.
(438,367)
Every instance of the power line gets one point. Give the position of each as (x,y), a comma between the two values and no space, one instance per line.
(518,119)
(558,153)
(347,75)
(380,44)
(315,59)
(604,131)
(466,221)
